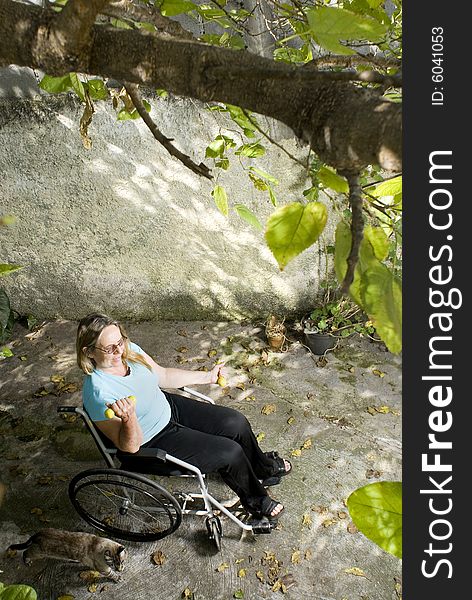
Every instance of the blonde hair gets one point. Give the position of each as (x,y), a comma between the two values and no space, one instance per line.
(88,332)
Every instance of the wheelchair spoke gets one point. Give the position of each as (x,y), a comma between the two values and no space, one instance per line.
(126,505)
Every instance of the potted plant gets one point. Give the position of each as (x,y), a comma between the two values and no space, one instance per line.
(333,319)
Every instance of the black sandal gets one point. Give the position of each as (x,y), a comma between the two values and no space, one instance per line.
(279,471)
(265,509)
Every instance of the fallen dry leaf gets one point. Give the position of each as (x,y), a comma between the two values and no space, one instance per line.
(296,557)
(267,409)
(222,567)
(383,409)
(212,353)
(182,349)
(355,571)
(242,573)
(378,373)
(352,528)
(329,522)
(291,420)
(66,597)
(11,553)
(372,473)
(260,576)
(306,444)
(308,554)
(260,436)
(92,588)
(306,520)
(158,558)
(296,452)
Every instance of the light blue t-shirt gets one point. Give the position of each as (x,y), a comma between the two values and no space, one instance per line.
(152,407)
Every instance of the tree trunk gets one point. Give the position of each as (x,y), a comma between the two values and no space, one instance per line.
(348,127)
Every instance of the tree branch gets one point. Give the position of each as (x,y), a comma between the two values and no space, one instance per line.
(357,227)
(354,59)
(126,9)
(347,126)
(200,169)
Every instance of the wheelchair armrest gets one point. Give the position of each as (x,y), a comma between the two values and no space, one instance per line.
(146,453)
(63,409)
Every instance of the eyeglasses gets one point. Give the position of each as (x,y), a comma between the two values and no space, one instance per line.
(112,348)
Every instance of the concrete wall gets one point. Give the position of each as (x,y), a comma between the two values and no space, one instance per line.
(127,229)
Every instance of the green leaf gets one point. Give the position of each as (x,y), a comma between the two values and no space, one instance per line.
(329,25)
(97,89)
(6,269)
(17,592)
(376,510)
(294,228)
(381,294)
(240,118)
(392,187)
(216,148)
(77,86)
(330,179)
(377,238)
(221,199)
(124,115)
(312,193)
(272,197)
(238,594)
(251,150)
(265,175)
(56,85)
(375,288)
(5,352)
(223,163)
(170,8)
(259,183)
(247,215)
(162,93)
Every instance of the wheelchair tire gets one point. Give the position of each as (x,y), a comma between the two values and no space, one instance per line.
(215,530)
(125,505)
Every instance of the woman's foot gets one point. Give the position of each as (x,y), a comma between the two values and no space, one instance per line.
(268,507)
(282,467)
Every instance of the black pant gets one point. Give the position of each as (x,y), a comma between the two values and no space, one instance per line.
(216,438)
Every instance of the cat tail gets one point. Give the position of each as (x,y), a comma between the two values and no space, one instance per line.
(23,546)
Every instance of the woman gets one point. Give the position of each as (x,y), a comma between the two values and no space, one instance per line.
(213,438)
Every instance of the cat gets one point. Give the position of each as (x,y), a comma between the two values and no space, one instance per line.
(101,554)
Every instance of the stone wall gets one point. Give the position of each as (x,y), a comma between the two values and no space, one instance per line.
(126,228)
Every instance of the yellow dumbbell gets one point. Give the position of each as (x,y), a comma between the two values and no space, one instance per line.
(109,414)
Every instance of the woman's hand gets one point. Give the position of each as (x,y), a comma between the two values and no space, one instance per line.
(218,372)
(123,408)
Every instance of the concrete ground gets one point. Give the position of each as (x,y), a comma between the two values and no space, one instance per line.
(337,418)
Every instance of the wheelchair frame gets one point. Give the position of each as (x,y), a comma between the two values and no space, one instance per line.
(126,486)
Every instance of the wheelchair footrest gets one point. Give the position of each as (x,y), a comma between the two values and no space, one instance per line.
(263,525)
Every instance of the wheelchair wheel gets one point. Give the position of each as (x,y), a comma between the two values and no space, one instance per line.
(215,530)
(125,505)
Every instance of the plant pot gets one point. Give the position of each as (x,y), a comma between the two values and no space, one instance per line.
(319,343)
(276,341)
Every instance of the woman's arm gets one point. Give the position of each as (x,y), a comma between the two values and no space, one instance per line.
(177,378)
(123,429)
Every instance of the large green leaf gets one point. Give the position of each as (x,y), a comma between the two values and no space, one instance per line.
(375,288)
(381,294)
(221,199)
(6,269)
(376,510)
(329,25)
(17,592)
(294,228)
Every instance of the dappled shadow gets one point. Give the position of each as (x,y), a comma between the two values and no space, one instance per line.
(127,229)
(318,416)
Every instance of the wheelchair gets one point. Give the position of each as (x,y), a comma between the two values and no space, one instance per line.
(125,503)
